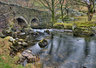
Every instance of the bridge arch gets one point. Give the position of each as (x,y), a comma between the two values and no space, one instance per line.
(20,20)
(34,20)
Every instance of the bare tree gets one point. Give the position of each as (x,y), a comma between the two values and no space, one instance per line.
(90,4)
(61,2)
(51,6)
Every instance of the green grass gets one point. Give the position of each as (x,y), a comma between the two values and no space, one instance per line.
(81,19)
(4,65)
(6,61)
(79,24)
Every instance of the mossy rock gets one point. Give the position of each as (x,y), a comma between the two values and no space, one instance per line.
(68,25)
(63,25)
(2,35)
(86,24)
(83,32)
(43,43)
(7,32)
(47,31)
(6,61)
(84,28)
(58,25)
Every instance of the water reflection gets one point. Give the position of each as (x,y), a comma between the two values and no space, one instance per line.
(70,52)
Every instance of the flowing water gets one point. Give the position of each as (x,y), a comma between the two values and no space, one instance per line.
(66,51)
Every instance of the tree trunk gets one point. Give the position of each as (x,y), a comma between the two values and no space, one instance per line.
(67,11)
(53,18)
(91,10)
(53,13)
(90,15)
(62,12)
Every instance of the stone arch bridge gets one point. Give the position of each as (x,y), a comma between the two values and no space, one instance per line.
(14,12)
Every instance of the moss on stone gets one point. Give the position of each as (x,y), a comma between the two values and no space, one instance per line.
(63,25)
(58,25)
(81,28)
(85,24)
(43,43)
(84,28)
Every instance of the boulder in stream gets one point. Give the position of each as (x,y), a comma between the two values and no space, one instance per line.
(47,31)
(30,57)
(83,32)
(43,43)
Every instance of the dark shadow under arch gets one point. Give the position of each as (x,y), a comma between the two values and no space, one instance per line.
(34,20)
(20,21)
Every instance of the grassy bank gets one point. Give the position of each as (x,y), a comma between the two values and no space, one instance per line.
(6,61)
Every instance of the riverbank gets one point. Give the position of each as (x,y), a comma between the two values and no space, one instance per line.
(8,61)
(7,46)
(79,28)
(15,41)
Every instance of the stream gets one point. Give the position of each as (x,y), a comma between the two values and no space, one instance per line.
(66,51)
